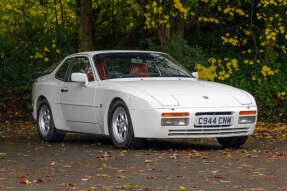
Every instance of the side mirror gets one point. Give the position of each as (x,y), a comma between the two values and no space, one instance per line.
(195,74)
(80,77)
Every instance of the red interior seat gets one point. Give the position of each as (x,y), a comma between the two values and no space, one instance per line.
(139,68)
(89,73)
(101,69)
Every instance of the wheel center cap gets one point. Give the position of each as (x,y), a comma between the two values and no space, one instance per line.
(122,125)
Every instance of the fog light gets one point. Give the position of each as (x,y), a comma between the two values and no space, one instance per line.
(246,119)
(174,121)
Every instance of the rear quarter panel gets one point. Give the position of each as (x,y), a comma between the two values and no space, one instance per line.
(48,87)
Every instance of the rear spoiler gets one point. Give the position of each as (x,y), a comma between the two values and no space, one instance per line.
(41,73)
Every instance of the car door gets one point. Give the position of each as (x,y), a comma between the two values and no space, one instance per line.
(77,100)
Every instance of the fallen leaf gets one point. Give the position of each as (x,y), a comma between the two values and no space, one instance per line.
(53,163)
(101,175)
(227,154)
(130,186)
(22,176)
(182,188)
(218,176)
(121,170)
(3,155)
(25,182)
(39,181)
(257,189)
(147,161)
(174,156)
(224,181)
(69,185)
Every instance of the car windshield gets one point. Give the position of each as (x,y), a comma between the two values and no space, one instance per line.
(130,65)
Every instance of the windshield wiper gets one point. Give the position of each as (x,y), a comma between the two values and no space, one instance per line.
(176,75)
(133,75)
(145,73)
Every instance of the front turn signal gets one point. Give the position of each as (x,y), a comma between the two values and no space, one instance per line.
(247,113)
(175,114)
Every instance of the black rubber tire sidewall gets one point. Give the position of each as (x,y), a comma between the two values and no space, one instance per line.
(52,135)
(130,137)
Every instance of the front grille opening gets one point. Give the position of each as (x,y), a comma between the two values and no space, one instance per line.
(209,134)
(208,131)
(205,130)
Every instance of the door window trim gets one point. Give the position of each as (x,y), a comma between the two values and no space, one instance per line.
(72,63)
(69,67)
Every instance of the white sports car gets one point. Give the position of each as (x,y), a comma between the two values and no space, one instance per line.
(134,95)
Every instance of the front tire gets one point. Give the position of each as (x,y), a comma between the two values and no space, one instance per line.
(120,126)
(232,142)
(45,123)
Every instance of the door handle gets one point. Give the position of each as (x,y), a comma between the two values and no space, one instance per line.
(64,90)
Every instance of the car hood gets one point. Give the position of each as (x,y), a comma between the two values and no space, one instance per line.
(190,92)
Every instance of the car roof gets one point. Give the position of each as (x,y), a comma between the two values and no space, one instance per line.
(92,53)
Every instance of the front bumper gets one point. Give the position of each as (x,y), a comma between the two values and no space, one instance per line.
(147,124)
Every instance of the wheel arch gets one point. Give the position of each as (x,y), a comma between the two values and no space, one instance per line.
(114,100)
(39,99)
(133,100)
(108,115)
(129,140)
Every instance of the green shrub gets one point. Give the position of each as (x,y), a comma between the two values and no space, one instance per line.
(232,68)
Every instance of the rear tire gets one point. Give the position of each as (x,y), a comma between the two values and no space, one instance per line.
(45,123)
(121,128)
(232,142)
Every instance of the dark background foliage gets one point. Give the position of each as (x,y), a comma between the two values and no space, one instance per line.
(241,43)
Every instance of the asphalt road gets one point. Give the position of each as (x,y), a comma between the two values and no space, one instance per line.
(85,162)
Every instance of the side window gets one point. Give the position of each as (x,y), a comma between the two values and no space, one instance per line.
(62,71)
(82,65)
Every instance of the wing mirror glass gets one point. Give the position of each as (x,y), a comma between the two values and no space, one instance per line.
(195,74)
(80,77)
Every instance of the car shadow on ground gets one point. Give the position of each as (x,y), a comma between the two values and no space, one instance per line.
(153,144)
(105,142)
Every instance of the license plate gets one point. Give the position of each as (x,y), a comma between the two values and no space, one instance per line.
(205,120)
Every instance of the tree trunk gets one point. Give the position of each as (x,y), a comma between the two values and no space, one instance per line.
(178,28)
(164,35)
(178,33)
(86,26)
